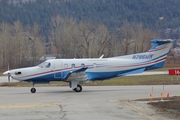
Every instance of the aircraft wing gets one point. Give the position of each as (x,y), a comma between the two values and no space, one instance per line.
(76,75)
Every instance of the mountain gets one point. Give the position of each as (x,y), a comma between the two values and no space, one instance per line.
(154,14)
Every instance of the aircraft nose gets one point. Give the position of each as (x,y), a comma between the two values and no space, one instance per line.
(6,73)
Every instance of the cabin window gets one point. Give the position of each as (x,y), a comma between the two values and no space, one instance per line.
(73,65)
(83,65)
(66,65)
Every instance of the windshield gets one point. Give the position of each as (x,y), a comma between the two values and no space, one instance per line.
(45,65)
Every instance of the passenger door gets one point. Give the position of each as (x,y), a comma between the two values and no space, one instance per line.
(57,68)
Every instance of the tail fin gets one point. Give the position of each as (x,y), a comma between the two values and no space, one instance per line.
(160,44)
(154,58)
(159,52)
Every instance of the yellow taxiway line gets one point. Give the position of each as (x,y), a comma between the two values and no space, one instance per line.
(28,105)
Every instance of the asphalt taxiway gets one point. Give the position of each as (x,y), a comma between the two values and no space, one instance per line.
(93,103)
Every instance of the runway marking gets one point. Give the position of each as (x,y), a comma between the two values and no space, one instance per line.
(28,105)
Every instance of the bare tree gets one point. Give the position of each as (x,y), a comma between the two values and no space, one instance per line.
(94,39)
(18,43)
(14,45)
(101,42)
(115,46)
(5,46)
(63,35)
(142,38)
(86,36)
(35,45)
(79,40)
(126,37)
(134,38)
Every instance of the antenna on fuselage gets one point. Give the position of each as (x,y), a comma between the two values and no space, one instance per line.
(101,56)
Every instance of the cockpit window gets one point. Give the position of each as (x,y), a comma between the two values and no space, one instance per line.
(45,65)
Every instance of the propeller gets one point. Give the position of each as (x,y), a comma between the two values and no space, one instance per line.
(8,74)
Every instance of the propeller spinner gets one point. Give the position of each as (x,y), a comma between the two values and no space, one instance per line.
(9,75)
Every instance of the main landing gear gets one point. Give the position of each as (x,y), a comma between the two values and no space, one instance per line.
(78,88)
(75,86)
(33,90)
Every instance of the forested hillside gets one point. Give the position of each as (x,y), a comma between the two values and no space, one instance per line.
(154,14)
(31,29)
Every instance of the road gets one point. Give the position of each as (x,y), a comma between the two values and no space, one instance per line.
(93,103)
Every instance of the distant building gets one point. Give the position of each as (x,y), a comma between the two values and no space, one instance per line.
(161,18)
(168,30)
(177,51)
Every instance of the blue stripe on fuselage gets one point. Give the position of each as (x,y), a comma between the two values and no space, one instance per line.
(44,78)
(107,75)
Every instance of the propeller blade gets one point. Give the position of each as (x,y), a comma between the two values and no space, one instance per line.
(9,79)
(9,75)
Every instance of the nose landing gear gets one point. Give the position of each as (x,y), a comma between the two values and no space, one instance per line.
(33,90)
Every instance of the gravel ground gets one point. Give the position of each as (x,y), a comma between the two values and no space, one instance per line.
(168,106)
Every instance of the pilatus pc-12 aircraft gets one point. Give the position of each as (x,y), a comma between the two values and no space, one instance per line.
(80,71)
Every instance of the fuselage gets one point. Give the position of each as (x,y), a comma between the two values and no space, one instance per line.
(97,69)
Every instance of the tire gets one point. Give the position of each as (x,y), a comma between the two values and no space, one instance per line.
(33,90)
(78,89)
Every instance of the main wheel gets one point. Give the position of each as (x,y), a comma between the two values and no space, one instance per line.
(33,90)
(78,88)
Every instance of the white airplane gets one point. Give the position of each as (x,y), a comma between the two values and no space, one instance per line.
(79,71)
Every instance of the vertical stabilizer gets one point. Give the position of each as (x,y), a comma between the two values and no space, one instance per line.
(159,50)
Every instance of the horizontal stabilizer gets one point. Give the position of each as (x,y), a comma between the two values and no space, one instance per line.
(160,42)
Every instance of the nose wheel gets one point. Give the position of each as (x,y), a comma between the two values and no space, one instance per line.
(33,90)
